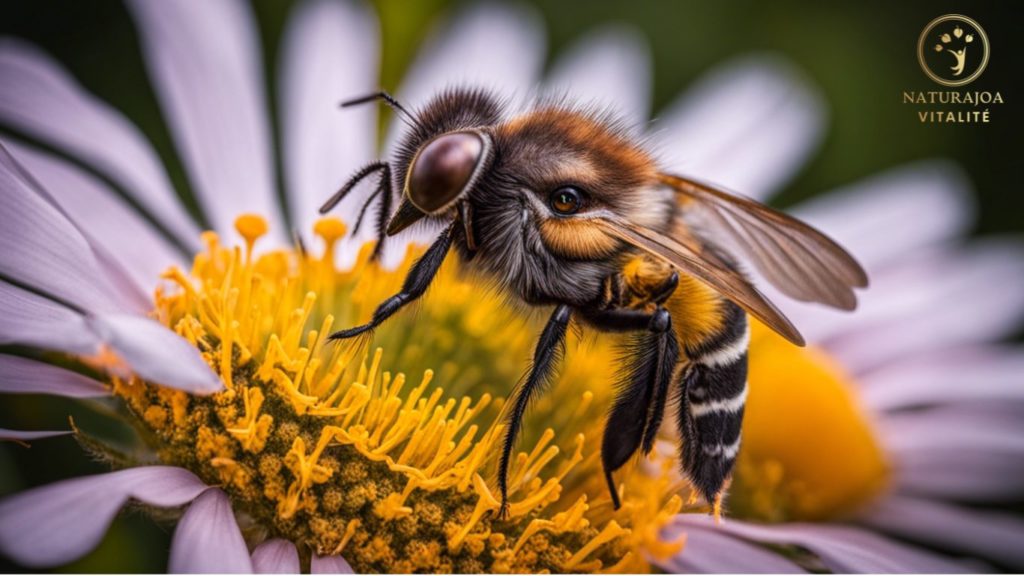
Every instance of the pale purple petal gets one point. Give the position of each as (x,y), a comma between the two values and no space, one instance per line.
(61,522)
(747,125)
(329,565)
(936,300)
(968,455)
(32,320)
(204,59)
(275,556)
(40,98)
(42,249)
(712,551)
(208,539)
(25,435)
(101,214)
(330,52)
(889,215)
(27,376)
(495,46)
(156,354)
(611,69)
(961,374)
(991,536)
(843,549)
(883,221)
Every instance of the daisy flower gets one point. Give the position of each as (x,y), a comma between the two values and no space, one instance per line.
(291,454)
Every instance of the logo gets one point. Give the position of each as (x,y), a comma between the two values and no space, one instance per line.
(953,50)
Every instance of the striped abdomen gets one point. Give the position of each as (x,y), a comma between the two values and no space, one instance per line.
(713,392)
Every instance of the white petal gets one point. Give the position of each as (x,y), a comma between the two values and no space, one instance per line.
(883,221)
(713,551)
(40,98)
(747,125)
(991,536)
(24,435)
(28,376)
(330,53)
(969,455)
(104,216)
(495,46)
(60,522)
(961,374)
(610,68)
(205,60)
(156,354)
(885,217)
(32,320)
(43,250)
(330,565)
(208,539)
(843,549)
(275,556)
(934,301)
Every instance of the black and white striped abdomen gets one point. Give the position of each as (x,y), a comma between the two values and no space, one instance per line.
(712,398)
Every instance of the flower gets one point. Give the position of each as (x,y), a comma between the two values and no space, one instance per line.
(274,439)
(266,449)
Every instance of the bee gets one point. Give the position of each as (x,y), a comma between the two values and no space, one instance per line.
(563,209)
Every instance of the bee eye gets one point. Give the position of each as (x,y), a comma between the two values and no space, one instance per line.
(566,201)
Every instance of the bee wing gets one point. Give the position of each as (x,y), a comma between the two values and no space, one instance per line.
(800,261)
(707,267)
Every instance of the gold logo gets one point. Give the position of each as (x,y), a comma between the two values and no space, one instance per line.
(953,50)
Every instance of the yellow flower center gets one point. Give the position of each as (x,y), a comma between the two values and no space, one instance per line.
(318,443)
(808,449)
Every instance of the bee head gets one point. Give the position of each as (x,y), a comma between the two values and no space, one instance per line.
(441,173)
(571,166)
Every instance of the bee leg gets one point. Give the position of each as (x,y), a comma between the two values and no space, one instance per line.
(351,183)
(384,212)
(364,210)
(549,348)
(711,403)
(637,411)
(415,284)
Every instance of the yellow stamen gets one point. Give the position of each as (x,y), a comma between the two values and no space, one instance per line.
(334,449)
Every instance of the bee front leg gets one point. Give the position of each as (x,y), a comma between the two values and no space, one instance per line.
(416,283)
(549,348)
(384,212)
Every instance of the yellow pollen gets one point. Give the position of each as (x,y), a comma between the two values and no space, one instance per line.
(251,227)
(330,229)
(343,448)
(809,452)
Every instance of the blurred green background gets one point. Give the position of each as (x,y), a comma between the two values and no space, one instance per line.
(861,55)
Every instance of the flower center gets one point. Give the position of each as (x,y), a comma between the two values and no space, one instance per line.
(316,442)
(808,449)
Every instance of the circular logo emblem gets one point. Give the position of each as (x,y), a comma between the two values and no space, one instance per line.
(953,50)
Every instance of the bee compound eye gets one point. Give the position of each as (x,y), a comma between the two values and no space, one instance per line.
(443,169)
(566,200)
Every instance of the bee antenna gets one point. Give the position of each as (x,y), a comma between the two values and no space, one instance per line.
(390,101)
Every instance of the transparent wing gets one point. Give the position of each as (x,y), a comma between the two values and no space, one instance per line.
(800,261)
(707,267)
